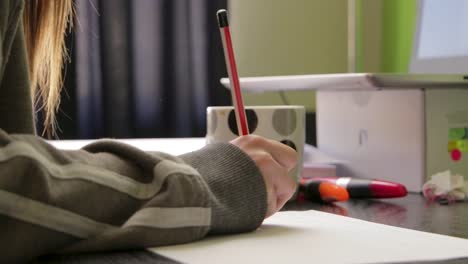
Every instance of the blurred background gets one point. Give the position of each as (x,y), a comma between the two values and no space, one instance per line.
(149,68)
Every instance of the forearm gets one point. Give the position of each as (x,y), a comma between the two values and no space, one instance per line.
(236,186)
(113,196)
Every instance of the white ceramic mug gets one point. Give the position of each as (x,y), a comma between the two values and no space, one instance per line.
(284,123)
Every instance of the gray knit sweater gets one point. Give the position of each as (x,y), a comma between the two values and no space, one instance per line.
(107,195)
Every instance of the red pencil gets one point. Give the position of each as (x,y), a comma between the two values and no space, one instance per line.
(236,94)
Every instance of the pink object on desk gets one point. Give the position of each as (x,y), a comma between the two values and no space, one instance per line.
(313,170)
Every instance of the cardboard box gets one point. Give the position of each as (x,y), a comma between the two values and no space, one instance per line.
(402,135)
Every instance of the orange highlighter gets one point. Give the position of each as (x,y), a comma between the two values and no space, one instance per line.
(323,191)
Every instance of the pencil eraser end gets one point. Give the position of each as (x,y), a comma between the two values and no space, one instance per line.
(222,18)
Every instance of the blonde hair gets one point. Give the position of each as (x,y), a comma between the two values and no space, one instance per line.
(45,23)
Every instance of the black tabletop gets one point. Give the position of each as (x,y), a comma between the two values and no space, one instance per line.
(412,212)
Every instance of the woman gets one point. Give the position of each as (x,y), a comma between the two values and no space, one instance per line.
(109,195)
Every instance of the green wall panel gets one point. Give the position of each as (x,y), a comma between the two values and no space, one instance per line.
(398,25)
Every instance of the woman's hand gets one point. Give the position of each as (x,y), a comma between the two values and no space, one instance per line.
(274,161)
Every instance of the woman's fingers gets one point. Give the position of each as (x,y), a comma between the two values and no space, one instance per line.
(274,161)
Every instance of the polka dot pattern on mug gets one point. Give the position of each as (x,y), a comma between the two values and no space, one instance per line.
(289,143)
(252,121)
(284,121)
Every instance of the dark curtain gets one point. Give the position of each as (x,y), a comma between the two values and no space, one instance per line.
(145,68)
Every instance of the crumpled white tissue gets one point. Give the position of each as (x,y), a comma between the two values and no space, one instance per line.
(446,187)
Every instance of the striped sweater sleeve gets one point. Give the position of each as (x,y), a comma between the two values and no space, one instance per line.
(110,196)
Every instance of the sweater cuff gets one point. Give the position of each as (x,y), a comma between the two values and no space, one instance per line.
(236,187)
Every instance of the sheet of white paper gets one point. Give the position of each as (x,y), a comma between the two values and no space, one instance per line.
(174,146)
(317,237)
